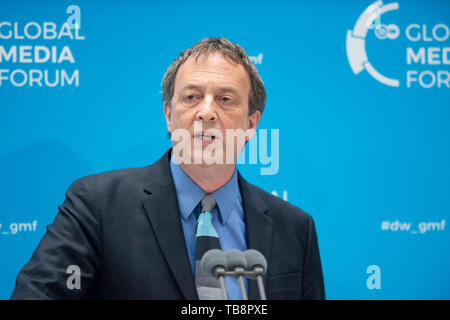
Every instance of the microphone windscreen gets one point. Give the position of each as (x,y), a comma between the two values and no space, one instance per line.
(235,258)
(255,259)
(213,258)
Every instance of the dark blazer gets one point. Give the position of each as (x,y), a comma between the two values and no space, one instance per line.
(123,230)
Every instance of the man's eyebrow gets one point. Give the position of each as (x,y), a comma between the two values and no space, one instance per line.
(220,89)
(230,89)
(191,87)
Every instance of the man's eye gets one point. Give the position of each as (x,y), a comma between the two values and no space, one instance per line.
(226,99)
(189,98)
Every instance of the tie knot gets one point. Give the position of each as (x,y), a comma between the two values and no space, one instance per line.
(208,203)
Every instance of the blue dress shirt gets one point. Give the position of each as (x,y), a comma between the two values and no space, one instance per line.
(228,217)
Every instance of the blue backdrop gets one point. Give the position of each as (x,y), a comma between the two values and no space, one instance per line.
(362,110)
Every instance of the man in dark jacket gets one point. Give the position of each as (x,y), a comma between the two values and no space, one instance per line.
(130,234)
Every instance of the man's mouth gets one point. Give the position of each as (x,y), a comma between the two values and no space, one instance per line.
(205,137)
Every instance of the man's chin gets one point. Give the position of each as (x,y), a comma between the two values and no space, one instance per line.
(206,156)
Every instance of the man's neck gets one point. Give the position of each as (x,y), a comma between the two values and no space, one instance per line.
(209,177)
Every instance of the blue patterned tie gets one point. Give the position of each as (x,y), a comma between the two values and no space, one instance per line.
(206,238)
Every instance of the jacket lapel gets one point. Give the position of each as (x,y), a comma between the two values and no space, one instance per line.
(259,228)
(161,207)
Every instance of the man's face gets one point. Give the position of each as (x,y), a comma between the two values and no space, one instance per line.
(212,93)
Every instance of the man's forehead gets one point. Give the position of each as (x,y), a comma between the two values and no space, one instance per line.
(212,64)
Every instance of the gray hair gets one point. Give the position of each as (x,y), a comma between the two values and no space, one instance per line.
(235,52)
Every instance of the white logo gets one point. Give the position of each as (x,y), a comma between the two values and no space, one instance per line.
(356,45)
(426,48)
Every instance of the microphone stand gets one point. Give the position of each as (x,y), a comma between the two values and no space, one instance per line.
(259,280)
(220,272)
(257,273)
(239,272)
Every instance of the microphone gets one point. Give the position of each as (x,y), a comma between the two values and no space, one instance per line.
(237,263)
(256,266)
(214,262)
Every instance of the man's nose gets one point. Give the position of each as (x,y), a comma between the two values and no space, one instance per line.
(207,111)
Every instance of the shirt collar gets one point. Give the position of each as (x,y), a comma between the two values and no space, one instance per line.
(189,194)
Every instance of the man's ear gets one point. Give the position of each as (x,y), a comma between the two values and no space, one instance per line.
(168,113)
(253,121)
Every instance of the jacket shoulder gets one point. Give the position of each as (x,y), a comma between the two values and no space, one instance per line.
(122,178)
